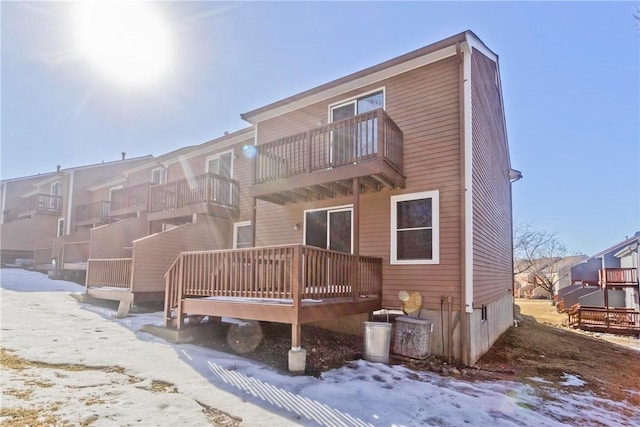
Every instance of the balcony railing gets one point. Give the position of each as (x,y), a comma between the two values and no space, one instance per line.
(39,204)
(362,138)
(134,197)
(617,320)
(95,211)
(112,273)
(210,189)
(618,276)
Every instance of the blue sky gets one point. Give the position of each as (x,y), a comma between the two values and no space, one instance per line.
(570,75)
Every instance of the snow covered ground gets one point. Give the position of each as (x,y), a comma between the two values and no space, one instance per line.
(158,383)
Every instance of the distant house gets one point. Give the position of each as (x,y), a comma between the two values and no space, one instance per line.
(533,277)
(612,275)
(37,210)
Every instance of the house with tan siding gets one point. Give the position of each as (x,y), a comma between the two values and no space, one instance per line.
(391,181)
(185,200)
(53,208)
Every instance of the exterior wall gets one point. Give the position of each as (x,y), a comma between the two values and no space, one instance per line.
(424,103)
(11,191)
(492,222)
(153,255)
(116,240)
(596,299)
(76,236)
(29,233)
(484,333)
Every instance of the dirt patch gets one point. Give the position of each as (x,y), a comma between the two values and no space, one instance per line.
(541,353)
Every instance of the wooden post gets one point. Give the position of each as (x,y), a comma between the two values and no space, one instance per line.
(356,237)
(382,141)
(606,304)
(296,283)
(254,213)
(310,148)
(180,284)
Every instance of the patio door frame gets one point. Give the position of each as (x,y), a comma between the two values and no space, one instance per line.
(329,211)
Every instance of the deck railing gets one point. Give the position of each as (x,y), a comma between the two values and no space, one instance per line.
(294,272)
(601,317)
(93,211)
(135,196)
(617,276)
(368,136)
(208,189)
(112,273)
(38,203)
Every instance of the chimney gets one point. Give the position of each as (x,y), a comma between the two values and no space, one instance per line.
(58,168)
(123,155)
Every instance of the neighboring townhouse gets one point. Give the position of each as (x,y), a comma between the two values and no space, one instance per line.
(58,205)
(19,238)
(184,200)
(605,293)
(534,278)
(391,181)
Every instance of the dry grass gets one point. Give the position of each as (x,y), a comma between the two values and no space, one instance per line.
(542,348)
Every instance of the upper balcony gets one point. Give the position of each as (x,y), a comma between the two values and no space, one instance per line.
(93,213)
(37,204)
(618,277)
(129,200)
(321,162)
(209,194)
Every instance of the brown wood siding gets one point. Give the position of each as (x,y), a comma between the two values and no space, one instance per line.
(116,240)
(492,245)
(425,104)
(153,255)
(76,236)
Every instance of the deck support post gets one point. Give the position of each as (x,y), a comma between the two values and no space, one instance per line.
(356,238)
(179,313)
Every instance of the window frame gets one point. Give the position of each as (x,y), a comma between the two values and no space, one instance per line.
(217,156)
(354,100)
(434,195)
(236,226)
(328,210)
(164,175)
(58,229)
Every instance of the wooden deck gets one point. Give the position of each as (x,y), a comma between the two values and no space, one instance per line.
(209,194)
(625,321)
(37,204)
(93,213)
(129,200)
(322,162)
(292,284)
(618,277)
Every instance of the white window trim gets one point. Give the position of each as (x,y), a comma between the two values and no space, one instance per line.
(237,225)
(435,226)
(54,184)
(217,156)
(341,208)
(166,173)
(58,227)
(112,189)
(353,100)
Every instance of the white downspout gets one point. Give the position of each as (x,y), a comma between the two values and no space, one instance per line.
(4,202)
(468,184)
(69,204)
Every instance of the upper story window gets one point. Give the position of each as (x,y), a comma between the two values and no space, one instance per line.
(415,223)
(159,176)
(221,164)
(369,102)
(55,188)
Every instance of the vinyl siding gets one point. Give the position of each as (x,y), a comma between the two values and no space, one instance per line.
(424,103)
(492,221)
(28,234)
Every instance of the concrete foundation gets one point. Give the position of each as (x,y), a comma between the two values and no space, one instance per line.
(184,335)
(483,333)
(297,360)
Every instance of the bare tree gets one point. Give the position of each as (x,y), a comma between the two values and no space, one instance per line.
(540,255)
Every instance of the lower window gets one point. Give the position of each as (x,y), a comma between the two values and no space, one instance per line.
(415,228)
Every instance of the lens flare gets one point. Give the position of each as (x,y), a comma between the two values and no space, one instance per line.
(249,151)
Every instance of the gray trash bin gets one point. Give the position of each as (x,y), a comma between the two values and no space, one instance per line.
(377,338)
